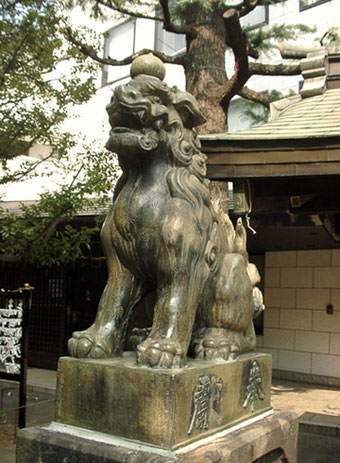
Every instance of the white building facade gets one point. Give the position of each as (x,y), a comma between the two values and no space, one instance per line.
(302,316)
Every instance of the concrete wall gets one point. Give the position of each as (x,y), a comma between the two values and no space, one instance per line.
(298,332)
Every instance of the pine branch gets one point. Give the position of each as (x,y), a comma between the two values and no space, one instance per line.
(247,6)
(119,9)
(262,38)
(238,45)
(170,26)
(254,96)
(253,52)
(244,7)
(91,53)
(274,69)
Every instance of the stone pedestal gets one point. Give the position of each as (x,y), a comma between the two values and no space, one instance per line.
(270,439)
(113,411)
(164,408)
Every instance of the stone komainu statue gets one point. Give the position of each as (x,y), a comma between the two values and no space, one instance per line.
(166,233)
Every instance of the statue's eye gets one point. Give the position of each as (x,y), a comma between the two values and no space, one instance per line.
(132,94)
(156,99)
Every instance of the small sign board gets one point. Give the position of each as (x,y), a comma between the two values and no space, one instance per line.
(14,338)
(11,323)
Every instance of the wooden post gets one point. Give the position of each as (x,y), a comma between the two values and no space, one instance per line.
(27,299)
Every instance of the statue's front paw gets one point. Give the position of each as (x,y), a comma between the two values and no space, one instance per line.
(83,345)
(211,349)
(215,344)
(160,353)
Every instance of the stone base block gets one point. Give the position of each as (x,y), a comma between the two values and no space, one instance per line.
(163,408)
(271,438)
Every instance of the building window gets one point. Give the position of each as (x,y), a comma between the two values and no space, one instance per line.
(168,42)
(119,43)
(304,4)
(256,18)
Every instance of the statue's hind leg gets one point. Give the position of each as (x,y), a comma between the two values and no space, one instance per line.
(122,292)
(228,322)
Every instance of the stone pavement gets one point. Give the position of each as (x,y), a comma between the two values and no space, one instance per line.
(319,440)
(318,408)
(303,397)
(41,380)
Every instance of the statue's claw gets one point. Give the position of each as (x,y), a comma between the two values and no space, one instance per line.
(83,345)
(214,344)
(162,353)
(211,349)
(220,343)
(80,347)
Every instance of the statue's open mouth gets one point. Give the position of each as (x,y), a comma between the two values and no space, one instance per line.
(122,130)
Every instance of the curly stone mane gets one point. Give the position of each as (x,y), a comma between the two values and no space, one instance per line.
(176,113)
(186,180)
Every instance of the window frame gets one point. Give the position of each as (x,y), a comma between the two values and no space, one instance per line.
(158,31)
(262,23)
(303,7)
(105,81)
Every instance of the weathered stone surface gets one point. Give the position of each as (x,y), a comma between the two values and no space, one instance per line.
(314,448)
(148,64)
(269,439)
(166,408)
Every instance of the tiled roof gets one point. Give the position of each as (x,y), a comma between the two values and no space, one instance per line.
(295,118)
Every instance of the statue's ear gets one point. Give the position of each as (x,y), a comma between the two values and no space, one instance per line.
(187,108)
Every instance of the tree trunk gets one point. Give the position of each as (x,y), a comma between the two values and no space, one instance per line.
(204,66)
